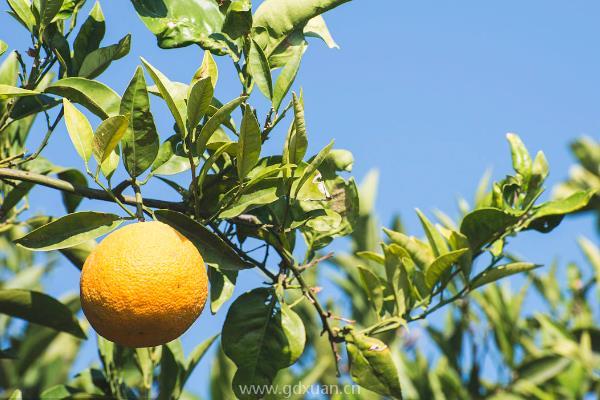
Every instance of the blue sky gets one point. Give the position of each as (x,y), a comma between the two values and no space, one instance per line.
(422,91)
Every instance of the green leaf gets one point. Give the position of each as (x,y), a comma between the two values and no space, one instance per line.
(16,194)
(9,91)
(419,251)
(39,308)
(170,159)
(441,265)
(213,249)
(208,69)
(140,143)
(218,118)
(500,272)
(520,156)
(199,100)
(436,240)
(249,143)
(75,177)
(3,47)
(89,36)
(225,147)
(93,95)
(485,224)
(275,20)
(110,165)
(196,355)
(238,19)
(316,27)
(313,166)
(253,196)
(70,230)
(167,91)
(100,59)
(22,9)
(222,285)
(108,135)
(261,336)
(48,10)
(259,69)
(80,130)
(296,141)
(78,254)
(372,366)
(573,203)
(178,23)
(287,76)
(373,287)
(16,395)
(540,370)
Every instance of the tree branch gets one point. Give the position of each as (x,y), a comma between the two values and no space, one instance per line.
(83,191)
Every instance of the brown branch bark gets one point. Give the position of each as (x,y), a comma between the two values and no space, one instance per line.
(83,191)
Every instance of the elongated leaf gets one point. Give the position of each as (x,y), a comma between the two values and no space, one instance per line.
(213,249)
(170,160)
(573,203)
(249,144)
(313,166)
(196,355)
(108,135)
(3,47)
(39,308)
(98,60)
(372,366)
(208,69)
(373,287)
(261,336)
(520,156)
(222,285)
(485,224)
(259,69)
(48,10)
(167,90)
(93,95)
(199,99)
(178,23)
(419,252)
(502,271)
(316,27)
(89,36)
(80,130)
(70,230)
(8,91)
(218,118)
(140,143)
(76,177)
(208,164)
(22,9)
(441,265)
(287,76)
(436,240)
(275,20)
(253,196)
(16,194)
(296,142)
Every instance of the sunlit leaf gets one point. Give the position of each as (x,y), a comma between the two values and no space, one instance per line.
(79,129)
(70,230)
(93,95)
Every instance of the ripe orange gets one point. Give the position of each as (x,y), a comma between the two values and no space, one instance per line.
(143,285)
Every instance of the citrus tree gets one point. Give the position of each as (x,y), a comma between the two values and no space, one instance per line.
(231,208)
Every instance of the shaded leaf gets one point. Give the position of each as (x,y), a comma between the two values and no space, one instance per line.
(39,308)
(199,100)
(484,225)
(287,76)
(249,143)
(262,336)
(213,249)
(222,285)
(218,118)
(441,265)
(98,60)
(259,69)
(108,135)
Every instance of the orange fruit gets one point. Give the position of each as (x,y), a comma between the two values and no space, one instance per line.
(143,285)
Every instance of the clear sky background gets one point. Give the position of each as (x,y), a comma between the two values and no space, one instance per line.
(422,91)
